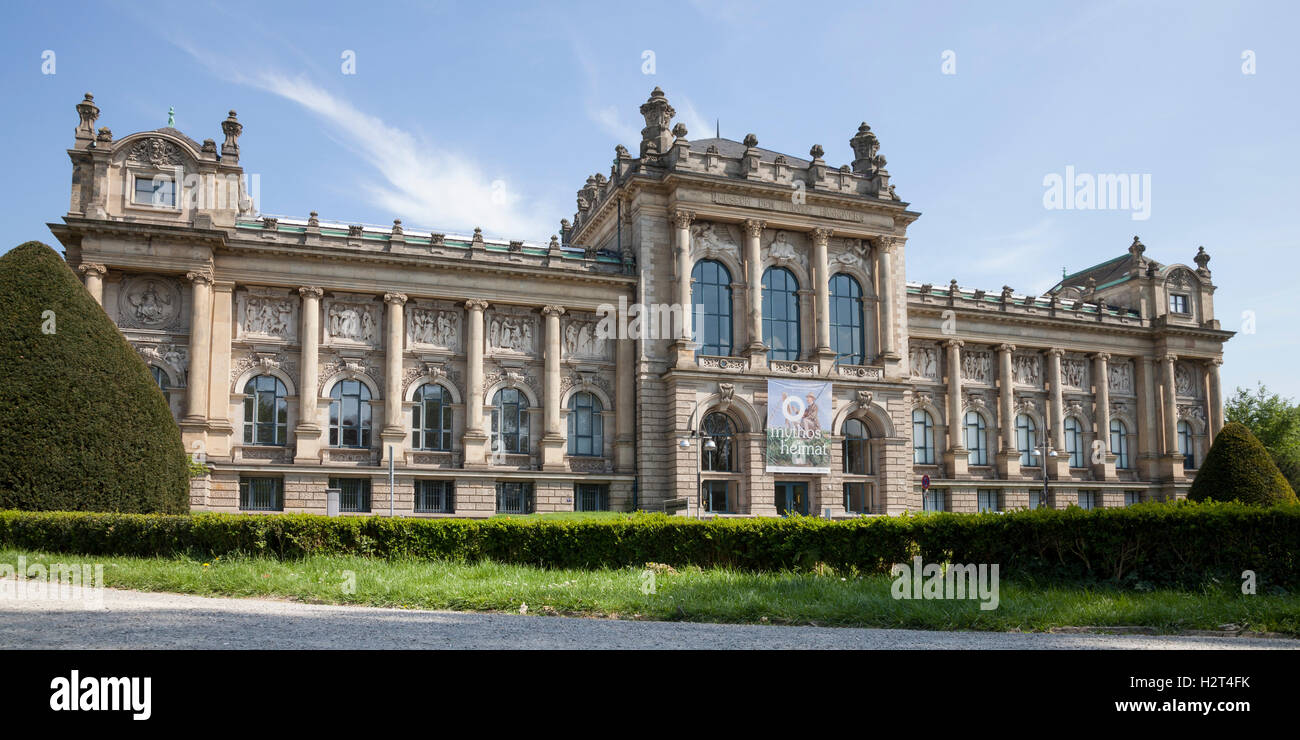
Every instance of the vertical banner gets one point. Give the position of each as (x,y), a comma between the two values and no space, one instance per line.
(798,426)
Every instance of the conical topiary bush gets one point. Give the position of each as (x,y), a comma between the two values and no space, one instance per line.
(83,425)
(1239,467)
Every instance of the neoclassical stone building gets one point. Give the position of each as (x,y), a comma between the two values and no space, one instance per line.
(509,376)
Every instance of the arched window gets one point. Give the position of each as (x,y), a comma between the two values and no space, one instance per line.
(847,338)
(781,314)
(1119,443)
(585,426)
(350,414)
(1185,445)
(711,308)
(510,421)
(719,428)
(977,438)
(159,377)
(1074,441)
(266,412)
(431,418)
(922,437)
(857,451)
(1027,440)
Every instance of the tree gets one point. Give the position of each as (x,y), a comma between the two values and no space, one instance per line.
(84,426)
(1238,467)
(1275,421)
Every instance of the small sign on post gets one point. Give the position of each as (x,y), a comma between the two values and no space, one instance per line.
(925,483)
(332,501)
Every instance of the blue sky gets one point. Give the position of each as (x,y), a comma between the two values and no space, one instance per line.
(451,101)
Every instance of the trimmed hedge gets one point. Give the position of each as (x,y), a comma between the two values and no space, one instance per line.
(1238,467)
(83,425)
(1184,545)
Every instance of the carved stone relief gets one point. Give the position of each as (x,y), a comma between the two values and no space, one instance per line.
(708,235)
(1027,370)
(512,333)
(1185,381)
(582,340)
(150,302)
(155,152)
(433,327)
(1074,373)
(1121,378)
(924,361)
(977,366)
(266,314)
(787,246)
(351,321)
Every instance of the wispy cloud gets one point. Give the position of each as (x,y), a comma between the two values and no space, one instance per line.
(419,180)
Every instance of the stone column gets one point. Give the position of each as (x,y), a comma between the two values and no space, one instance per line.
(94,276)
(307,432)
(683,348)
(1214,394)
(196,392)
(756,350)
(822,303)
(956,457)
(1105,469)
(1144,378)
(553,437)
(1008,454)
(394,431)
(475,440)
(624,399)
(884,276)
(1059,465)
(220,431)
(194,425)
(1172,462)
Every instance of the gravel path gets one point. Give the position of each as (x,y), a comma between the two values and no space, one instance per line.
(138,620)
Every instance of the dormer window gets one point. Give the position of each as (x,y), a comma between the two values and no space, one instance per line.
(155,190)
(1178,303)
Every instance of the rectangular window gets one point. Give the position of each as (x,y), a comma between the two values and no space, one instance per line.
(515,498)
(590,497)
(1132,497)
(859,498)
(717,496)
(1089,499)
(155,191)
(261,494)
(354,493)
(987,500)
(1178,303)
(435,497)
(933,500)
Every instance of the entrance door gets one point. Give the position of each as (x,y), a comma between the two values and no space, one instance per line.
(791,498)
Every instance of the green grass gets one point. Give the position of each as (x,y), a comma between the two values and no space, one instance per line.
(689,594)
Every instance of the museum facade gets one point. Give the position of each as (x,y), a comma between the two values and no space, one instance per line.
(628,362)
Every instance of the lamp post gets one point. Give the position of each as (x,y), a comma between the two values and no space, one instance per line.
(708,446)
(1047,452)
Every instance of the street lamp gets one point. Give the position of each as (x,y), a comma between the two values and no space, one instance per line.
(708,446)
(1047,452)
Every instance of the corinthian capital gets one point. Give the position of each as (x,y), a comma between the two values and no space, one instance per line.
(682,218)
(310,291)
(821,236)
(754,227)
(886,244)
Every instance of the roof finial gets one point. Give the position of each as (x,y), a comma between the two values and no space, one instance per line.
(717,133)
(1062,272)
(171,116)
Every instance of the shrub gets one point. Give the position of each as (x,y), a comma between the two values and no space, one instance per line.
(1183,544)
(84,426)
(1238,468)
